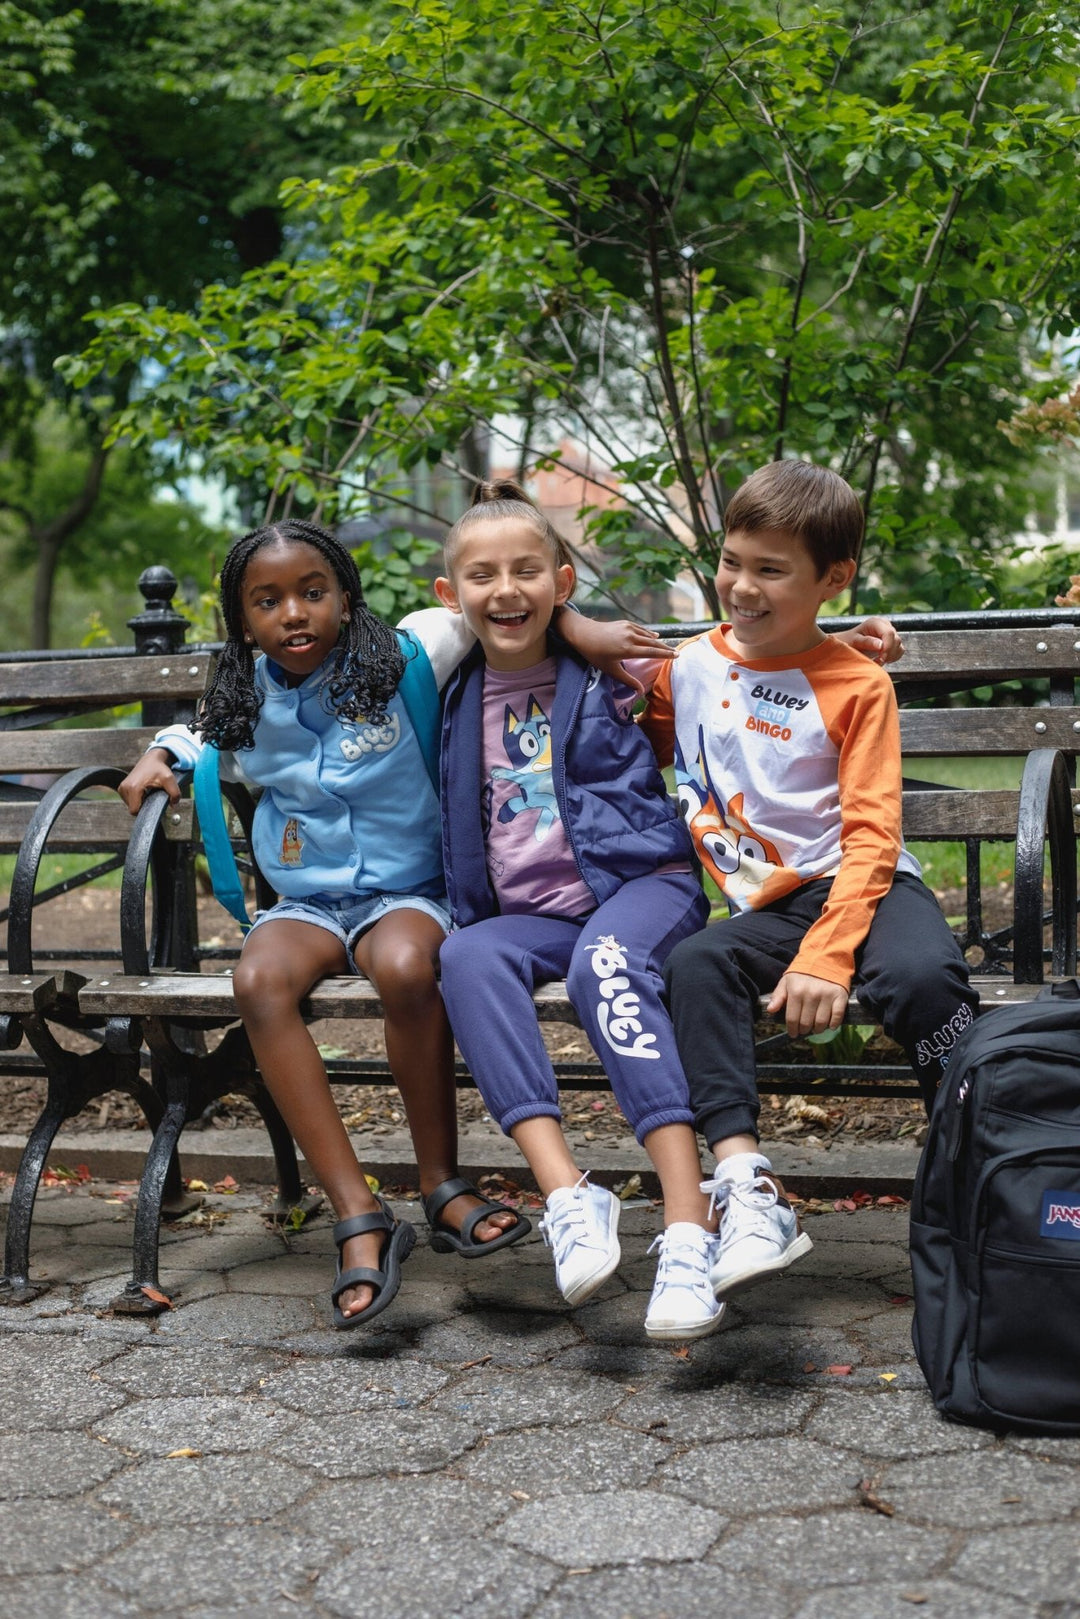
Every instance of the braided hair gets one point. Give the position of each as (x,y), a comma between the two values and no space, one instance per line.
(361,677)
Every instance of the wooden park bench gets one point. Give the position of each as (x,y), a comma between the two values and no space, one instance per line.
(151,1009)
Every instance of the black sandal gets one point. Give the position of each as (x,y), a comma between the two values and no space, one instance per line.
(445,1240)
(397,1245)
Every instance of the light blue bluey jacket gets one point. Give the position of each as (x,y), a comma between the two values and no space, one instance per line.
(346,807)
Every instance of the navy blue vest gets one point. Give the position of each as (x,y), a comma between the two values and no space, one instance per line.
(615,810)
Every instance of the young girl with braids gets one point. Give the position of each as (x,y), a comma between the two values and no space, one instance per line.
(347,832)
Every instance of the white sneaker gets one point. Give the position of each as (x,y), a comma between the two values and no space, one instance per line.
(580,1227)
(759,1233)
(682,1303)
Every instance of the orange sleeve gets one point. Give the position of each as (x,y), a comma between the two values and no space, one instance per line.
(862,719)
(658,717)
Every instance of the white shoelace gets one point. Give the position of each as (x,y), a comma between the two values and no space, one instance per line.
(680,1255)
(759,1193)
(569,1225)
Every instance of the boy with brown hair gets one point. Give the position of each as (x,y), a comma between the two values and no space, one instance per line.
(786,745)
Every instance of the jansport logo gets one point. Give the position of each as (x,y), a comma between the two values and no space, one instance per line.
(1061,1215)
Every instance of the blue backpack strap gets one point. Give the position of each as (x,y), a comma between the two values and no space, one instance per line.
(217,846)
(419,694)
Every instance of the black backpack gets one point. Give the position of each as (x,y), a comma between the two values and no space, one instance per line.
(995,1222)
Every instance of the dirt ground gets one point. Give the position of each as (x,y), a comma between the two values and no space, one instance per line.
(88,919)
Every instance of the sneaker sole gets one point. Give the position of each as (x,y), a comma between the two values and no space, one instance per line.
(682,1335)
(586,1288)
(761,1273)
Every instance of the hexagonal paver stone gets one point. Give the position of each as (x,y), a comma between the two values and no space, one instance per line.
(556,1459)
(202,1423)
(54,1398)
(230,1570)
(936,1599)
(433,1506)
(504,1340)
(440,1579)
(351,1386)
(50,1537)
(206,1489)
(165,1368)
(623,1526)
(748,1476)
(982,1490)
(377,1442)
(1039,1564)
(51,1464)
(239,1318)
(753,1352)
(688,1591)
(67,1596)
(498,1401)
(48,1355)
(890,1423)
(833,1548)
(930,1598)
(757,1411)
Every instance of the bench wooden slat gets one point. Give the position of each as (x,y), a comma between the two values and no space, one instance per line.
(35,752)
(105,682)
(960,814)
(930,732)
(997,655)
(193,995)
(22,993)
(89,824)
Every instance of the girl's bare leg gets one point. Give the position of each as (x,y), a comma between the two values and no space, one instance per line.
(399,955)
(544,1147)
(280,963)
(674,1151)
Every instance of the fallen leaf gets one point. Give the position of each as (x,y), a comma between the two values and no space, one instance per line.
(629,1188)
(838,1371)
(809,1367)
(888,1201)
(914,1596)
(372,1182)
(597,1107)
(196,1186)
(186,1453)
(900,1298)
(887,1377)
(156,1296)
(844,1205)
(681,1354)
(861,1199)
(1011,1500)
(519,1495)
(227,1185)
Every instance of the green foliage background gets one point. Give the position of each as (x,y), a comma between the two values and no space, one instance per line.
(688,237)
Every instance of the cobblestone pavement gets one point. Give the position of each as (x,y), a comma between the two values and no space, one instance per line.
(484,1451)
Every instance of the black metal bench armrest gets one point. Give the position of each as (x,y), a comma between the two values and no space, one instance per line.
(34,843)
(1044,814)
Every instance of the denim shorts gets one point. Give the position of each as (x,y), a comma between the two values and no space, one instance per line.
(349,916)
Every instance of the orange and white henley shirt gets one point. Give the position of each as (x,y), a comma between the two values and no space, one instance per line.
(787,770)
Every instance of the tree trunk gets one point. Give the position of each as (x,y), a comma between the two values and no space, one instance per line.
(49,540)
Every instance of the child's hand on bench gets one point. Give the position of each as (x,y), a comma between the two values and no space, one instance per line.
(811,1005)
(153,770)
